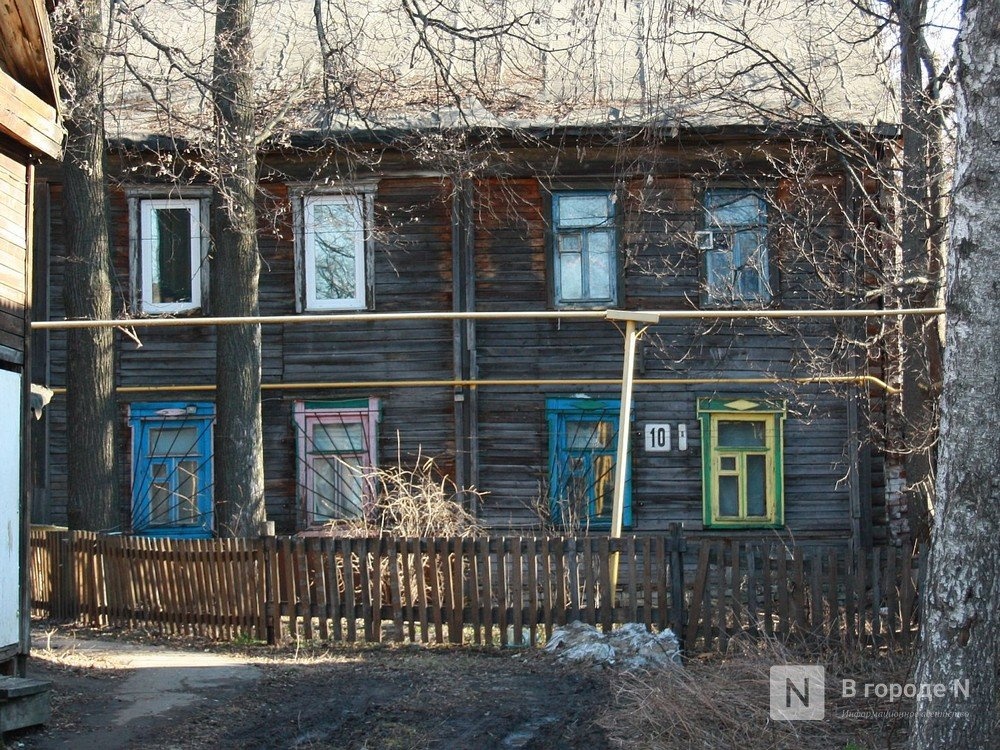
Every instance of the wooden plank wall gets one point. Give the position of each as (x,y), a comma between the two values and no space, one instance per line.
(13,239)
(413,272)
(661,271)
(412,268)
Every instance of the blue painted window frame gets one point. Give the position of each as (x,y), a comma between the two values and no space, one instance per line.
(143,418)
(560,413)
(585,233)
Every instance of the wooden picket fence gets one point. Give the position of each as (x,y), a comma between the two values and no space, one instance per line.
(505,590)
(198,587)
(810,592)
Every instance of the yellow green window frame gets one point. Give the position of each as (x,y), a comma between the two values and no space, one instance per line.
(742,450)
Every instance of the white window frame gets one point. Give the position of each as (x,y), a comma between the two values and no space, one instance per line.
(142,277)
(306,417)
(361,202)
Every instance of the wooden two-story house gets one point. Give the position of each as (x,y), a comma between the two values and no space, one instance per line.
(442,283)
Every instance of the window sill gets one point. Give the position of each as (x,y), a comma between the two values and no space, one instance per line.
(187,312)
(749,525)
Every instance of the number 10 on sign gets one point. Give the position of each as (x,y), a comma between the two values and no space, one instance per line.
(657,438)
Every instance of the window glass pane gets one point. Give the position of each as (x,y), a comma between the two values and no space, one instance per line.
(572,494)
(159,496)
(338,484)
(749,259)
(733,208)
(719,268)
(187,493)
(570,276)
(583,210)
(756,485)
(571,242)
(604,484)
(332,437)
(741,433)
(335,240)
(729,496)
(727,463)
(174,441)
(588,435)
(171,271)
(600,254)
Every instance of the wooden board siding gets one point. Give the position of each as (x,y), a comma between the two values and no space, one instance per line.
(24,117)
(13,255)
(412,267)
(413,262)
(661,272)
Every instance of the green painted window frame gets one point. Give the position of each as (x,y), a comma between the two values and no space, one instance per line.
(771,414)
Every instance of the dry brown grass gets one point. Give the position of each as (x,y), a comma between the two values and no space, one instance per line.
(722,701)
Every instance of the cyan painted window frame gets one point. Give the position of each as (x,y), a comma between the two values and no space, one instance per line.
(558,412)
(166,415)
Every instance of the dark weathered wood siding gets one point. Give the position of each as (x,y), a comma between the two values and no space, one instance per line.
(661,270)
(412,269)
(414,258)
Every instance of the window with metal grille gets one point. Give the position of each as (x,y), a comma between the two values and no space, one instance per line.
(172,469)
(336,446)
(583,441)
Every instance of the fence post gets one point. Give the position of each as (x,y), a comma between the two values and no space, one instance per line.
(678,546)
(69,608)
(270,608)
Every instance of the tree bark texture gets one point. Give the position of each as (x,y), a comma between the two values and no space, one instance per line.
(93,499)
(921,267)
(238,460)
(961,603)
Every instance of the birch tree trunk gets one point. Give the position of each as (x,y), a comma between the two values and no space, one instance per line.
(238,459)
(93,499)
(961,603)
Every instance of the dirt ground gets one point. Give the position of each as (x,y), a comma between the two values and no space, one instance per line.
(112,694)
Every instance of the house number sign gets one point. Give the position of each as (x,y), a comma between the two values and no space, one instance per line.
(657,438)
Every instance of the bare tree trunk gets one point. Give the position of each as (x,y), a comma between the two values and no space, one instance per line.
(961,616)
(920,266)
(93,501)
(238,461)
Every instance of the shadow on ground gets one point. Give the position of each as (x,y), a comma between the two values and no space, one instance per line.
(119,695)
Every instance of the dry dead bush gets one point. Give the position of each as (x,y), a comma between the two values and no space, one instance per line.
(722,701)
(418,502)
(421,501)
